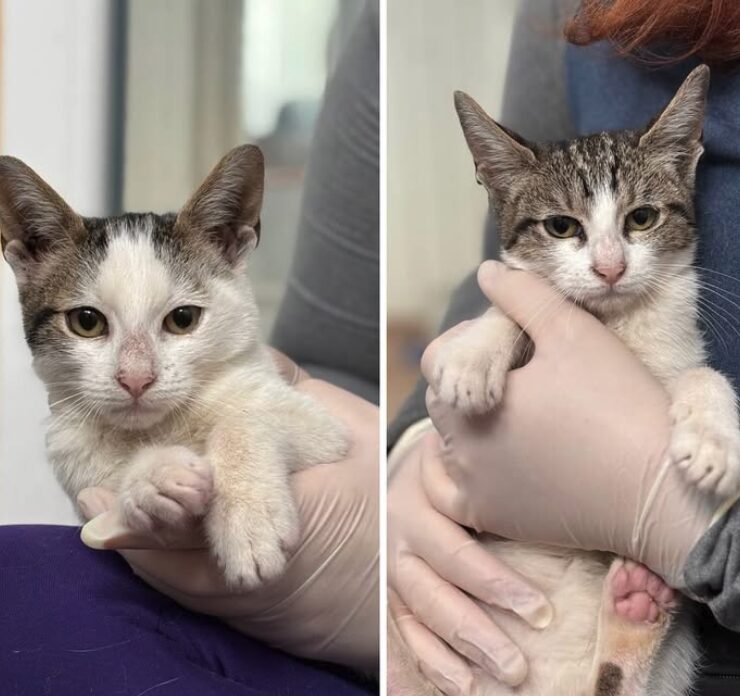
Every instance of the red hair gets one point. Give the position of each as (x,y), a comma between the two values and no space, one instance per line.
(709,29)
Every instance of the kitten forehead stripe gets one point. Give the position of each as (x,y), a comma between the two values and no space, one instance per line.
(586,188)
(614,179)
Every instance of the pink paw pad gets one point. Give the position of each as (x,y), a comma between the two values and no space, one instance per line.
(640,595)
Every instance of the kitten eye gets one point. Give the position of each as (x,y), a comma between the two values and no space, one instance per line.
(87,322)
(562,227)
(182,320)
(641,218)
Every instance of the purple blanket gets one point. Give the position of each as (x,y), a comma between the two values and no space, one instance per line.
(75,622)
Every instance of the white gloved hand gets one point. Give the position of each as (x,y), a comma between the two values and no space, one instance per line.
(433,567)
(576,453)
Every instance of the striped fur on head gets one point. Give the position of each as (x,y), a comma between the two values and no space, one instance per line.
(597,180)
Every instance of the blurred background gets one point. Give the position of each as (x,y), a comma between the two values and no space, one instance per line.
(436,211)
(126,105)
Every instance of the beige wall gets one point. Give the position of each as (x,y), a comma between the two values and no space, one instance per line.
(435,209)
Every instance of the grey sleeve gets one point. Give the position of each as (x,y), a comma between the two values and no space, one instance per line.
(536,106)
(712,570)
(329,318)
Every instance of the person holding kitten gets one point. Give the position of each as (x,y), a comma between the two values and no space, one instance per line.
(527,475)
(76,621)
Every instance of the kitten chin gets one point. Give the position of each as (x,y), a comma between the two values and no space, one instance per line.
(138,417)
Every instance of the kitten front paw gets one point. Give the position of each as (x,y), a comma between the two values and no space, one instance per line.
(167,487)
(706,450)
(470,374)
(252,536)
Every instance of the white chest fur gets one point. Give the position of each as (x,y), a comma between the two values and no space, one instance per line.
(663,330)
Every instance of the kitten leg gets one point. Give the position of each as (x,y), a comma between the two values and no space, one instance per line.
(253,521)
(470,371)
(165,487)
(634,619)
(705,442)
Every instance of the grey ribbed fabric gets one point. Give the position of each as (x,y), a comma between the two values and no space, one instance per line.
(712,571)
(536,106)
(329,319)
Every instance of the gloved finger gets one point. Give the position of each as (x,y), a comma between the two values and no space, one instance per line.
(458,620)
(107,528)
(531,302)
(458,558)
(429,357)
(439,464)
(183,574)
(443,667)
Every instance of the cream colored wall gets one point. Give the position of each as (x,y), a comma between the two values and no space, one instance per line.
(435,209)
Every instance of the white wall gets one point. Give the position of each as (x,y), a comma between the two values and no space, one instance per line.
(55,81)
(435,209)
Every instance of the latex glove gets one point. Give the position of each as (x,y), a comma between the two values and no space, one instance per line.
(325,607)
(575,454)
(433,567)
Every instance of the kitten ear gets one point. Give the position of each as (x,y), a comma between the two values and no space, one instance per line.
(498,153)
(33,217)
(678,129)
(226,207)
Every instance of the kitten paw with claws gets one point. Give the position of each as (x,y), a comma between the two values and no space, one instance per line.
(251,539)
(470,374)
(706,450)
(167,487)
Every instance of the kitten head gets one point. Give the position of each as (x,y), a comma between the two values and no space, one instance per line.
(604,217)
(128,317)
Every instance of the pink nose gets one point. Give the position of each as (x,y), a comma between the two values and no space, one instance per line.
(136,384)
(610,273)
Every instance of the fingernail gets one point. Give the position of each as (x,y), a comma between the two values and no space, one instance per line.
(456,682)
(536,611)
(488,270)
(511,665)
(97,532)
(454,688)
(484,684)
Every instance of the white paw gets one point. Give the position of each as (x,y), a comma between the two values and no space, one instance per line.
(168,487)
(470,375)
(251,539)
(707,451)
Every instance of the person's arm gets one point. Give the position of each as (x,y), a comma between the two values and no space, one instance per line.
(329,319)
(536,105)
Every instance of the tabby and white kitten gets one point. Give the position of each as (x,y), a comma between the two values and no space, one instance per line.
(608,219)
(145,330)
